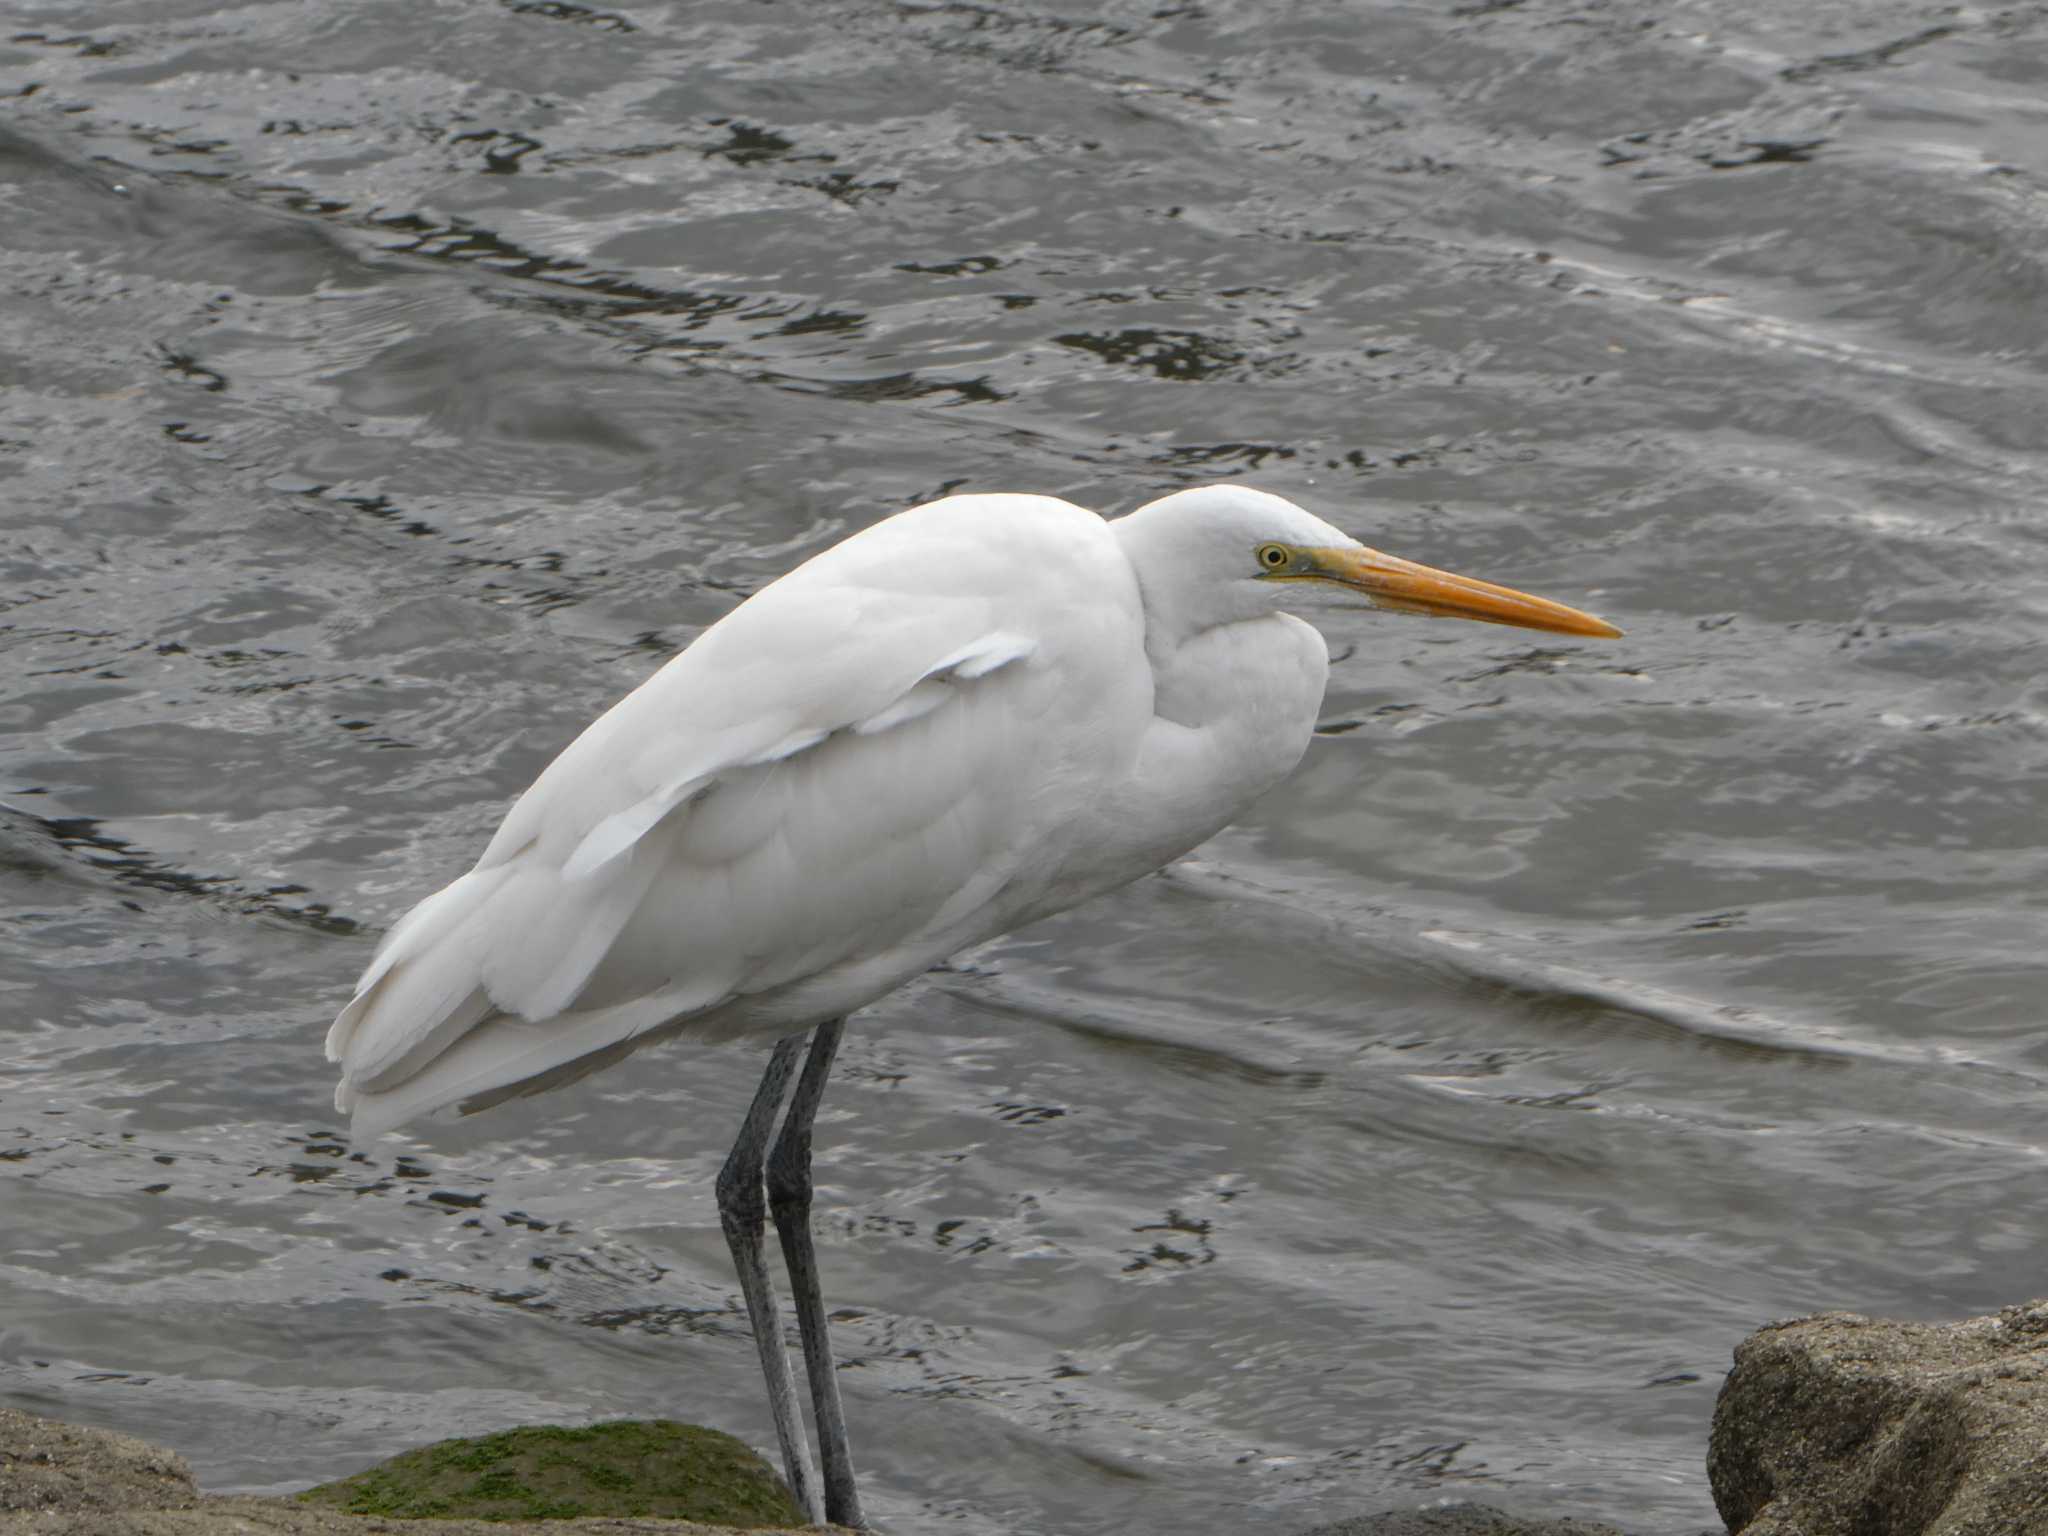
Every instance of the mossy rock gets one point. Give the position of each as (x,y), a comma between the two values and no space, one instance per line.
(544,1472)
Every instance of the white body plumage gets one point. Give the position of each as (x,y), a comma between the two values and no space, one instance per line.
(969,715)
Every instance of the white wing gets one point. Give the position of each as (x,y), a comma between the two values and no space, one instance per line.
(855,772)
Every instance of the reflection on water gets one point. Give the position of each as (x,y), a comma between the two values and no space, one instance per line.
(389,389)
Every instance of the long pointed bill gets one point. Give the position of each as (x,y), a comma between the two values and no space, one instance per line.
(1391,582)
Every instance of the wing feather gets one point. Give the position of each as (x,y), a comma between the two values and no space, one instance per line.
(622,829)
(427,928)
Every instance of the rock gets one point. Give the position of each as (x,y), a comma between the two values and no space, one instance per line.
(546,1472)
(49,1466)
(1458,1520)
(1839,1425)
(63,1480)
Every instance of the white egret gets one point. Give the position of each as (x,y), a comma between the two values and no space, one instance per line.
(970,715)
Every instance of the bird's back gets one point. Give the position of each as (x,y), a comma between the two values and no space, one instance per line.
(875,760)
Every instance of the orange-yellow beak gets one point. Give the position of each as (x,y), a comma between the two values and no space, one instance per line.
(1391,582)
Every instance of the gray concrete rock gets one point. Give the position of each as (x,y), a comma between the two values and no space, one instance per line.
(59,1468)
(1842,1425)
(1458,1520)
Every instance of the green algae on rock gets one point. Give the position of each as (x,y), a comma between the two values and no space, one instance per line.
(547,1472)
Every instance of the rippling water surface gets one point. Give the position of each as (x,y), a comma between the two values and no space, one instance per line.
(389,386)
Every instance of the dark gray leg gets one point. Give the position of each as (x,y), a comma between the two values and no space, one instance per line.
(742,1214)
(789,1198)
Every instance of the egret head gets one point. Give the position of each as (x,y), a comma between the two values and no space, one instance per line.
(1222,553)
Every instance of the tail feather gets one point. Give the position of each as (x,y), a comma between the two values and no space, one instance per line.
(504,1056)
(411,1053)
(512,944)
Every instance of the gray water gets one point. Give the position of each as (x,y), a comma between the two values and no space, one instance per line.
(390,386)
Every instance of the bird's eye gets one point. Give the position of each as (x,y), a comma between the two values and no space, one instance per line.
(1274,556)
